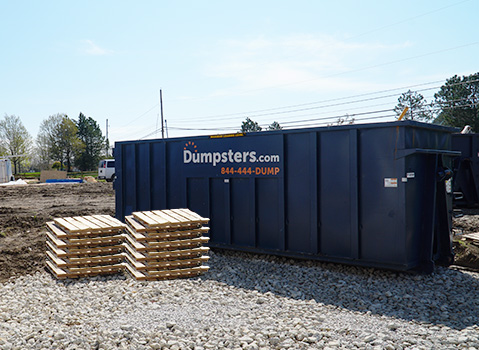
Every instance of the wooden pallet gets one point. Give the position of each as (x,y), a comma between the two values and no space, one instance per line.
(166,255)
(85,252)
(154,265)
(85,271)
(176,219)
(89,242)
(165,274)
(90,224)
(85,261)
(145,236)
(58,231)
(156,246)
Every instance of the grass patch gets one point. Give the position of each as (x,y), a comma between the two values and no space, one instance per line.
(72,174)
(81,174)
(34,175)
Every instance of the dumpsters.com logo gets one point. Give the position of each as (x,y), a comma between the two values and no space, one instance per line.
(191,155)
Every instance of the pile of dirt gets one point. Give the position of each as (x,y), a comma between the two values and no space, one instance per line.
(24,210)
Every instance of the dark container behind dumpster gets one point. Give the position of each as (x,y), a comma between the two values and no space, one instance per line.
(466,170)
(371,195)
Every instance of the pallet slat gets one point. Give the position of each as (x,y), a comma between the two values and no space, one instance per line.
(66,225)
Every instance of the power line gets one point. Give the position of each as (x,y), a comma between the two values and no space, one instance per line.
(143,114)
(309,103)
(259,113)
(278,109)
(322,120)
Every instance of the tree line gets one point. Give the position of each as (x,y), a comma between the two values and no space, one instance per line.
(62,143)
(456,103)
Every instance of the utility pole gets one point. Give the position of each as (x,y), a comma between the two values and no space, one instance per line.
(162,121)
(107,141)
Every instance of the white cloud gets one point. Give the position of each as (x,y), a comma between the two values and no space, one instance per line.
(90,48)
(303,62)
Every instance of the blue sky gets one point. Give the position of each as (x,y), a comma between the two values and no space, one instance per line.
(217,62)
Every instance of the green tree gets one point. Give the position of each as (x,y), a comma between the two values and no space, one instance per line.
(15,140)
(93,143)
(42,158)
(274,126)
(346,120)
(58,133)
(418,108)
(458,102)
(250,126)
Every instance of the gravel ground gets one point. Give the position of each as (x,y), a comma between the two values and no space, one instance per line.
(245,301)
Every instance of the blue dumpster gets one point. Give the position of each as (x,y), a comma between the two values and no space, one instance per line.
(370,195)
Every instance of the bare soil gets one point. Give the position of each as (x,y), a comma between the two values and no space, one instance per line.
(25,209)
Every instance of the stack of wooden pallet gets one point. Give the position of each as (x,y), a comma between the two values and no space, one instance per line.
(165,244)
(85,246)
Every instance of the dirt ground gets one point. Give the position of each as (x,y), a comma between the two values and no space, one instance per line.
(25,209)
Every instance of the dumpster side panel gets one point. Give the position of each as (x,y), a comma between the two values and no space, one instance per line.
(268,213)
(198,196)
(157,171)
(220,218)
(299,192)
(143,175)
(175,178)
(335,189)
(381,200)
(242,212)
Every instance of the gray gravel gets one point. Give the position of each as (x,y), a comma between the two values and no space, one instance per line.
(246,302)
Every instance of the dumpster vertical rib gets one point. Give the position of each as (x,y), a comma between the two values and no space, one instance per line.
(252,211)
(164,183)
(228,217)
(148,174)
(130,162)
(313,168)
(281,210)
(319,163)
